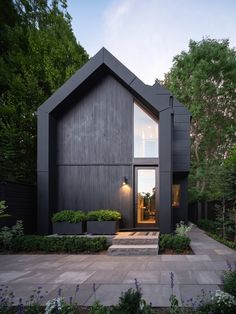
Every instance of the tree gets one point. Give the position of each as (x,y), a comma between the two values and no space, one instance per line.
(204,79)
(40,54)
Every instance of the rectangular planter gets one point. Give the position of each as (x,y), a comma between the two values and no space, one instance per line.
(68,228)
(102,227)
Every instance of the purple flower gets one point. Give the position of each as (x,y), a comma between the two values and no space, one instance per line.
(172,280)
(77,289)
(70,300)
(94,287)
(59,292)
(229,266)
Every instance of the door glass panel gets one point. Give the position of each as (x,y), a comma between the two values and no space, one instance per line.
(146,198)
(145,134)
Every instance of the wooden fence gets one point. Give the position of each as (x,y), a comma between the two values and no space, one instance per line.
(21,200)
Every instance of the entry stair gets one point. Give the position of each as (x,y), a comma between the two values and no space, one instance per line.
(135,243)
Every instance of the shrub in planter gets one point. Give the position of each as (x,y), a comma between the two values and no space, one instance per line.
(69,222)
(103,221)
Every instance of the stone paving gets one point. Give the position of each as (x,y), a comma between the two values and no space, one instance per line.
(114,274)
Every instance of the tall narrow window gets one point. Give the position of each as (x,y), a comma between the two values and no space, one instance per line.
(145,134)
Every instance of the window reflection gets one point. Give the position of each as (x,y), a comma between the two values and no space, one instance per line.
(145,134)
(146,205)
(175,195)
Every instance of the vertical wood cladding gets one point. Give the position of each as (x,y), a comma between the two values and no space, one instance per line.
(181,139)
(98,128)
(93,187)
(94,151)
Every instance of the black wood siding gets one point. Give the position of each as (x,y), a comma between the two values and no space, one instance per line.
(181,138)
(98,128)
(94,151)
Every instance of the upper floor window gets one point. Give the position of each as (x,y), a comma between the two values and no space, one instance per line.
(145,134)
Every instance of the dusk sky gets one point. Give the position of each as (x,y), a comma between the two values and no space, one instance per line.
(146,35)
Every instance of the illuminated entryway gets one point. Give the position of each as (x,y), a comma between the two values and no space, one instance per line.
(146,196)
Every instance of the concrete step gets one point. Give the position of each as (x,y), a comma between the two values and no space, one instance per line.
(138,249)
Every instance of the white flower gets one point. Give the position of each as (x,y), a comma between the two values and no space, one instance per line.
(51,305)
(224,298)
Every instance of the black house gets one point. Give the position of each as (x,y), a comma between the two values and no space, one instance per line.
(107,140)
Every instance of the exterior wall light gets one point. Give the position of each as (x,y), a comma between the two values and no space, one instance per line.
(125,181)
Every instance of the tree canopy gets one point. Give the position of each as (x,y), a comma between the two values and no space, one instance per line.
(39,52)
(204,80)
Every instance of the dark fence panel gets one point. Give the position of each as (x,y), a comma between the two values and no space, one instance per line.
(22,205)
(202,210)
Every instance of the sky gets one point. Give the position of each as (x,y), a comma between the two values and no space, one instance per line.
(145,35)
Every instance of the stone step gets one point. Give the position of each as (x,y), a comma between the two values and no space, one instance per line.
(134,241)
(138,249)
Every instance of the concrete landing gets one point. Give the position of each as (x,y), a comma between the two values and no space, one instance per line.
(135,243)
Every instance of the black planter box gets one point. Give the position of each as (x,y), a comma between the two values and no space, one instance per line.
(68,228)
(102,227)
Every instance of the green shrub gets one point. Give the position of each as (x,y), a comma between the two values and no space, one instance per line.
(173,242)
(229,281)
(38,243)
(207,225)
(103,215)
(71,216)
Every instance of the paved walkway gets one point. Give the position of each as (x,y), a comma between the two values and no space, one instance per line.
(114,274)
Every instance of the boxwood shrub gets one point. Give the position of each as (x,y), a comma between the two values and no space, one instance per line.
(71,216)
(36,243)
(174,242)
(103,215)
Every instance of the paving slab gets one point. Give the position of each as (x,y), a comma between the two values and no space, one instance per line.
(106,277)
(7,276)
(209,277)
(159,295)
(143,276)
(74,277)
(108,294)
(191,295)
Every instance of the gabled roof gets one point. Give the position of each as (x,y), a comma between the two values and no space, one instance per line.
(156,95)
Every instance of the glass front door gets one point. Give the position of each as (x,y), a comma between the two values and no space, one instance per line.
(146,196)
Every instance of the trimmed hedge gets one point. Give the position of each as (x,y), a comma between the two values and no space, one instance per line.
(174,242)
(34,243)
(71,216)
(103,215)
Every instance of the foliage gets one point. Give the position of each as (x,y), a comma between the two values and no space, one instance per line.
(229,281)
(98,308)
(182,229)
(228,243)
(39,53)
(71,216)
(103,215)
(204,79)
(221,302)
(9,235)
(207,225)
(131,302)
(46,244)
(174,242)
(3,207)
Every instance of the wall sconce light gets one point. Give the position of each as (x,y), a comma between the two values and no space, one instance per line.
(125,181)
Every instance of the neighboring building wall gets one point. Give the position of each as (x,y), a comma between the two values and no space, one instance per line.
(94,151)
